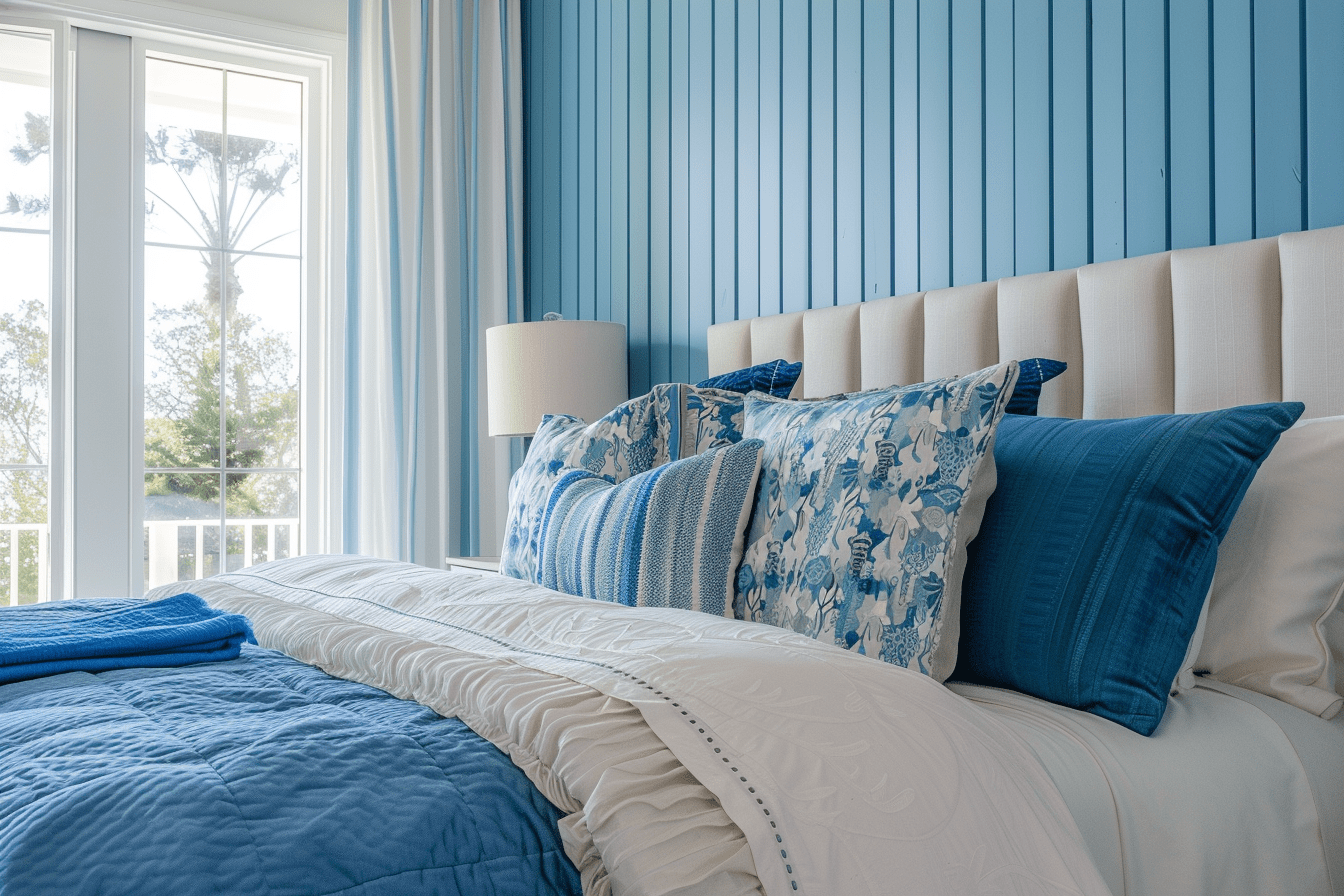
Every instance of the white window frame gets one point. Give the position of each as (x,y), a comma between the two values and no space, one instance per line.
(316,58)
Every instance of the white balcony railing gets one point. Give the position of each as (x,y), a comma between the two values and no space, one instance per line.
(11,535)
(170,560)
(169,556)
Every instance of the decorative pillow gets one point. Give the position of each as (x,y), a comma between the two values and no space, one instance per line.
(670,537)
(1280,574)
(773,378)
(1036,372)
(864,510)
(1098,550)
(641,434)
(710,418)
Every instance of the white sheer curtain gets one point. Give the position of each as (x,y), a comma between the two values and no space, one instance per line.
(434,254)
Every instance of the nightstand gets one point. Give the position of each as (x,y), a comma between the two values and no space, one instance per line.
(479,565)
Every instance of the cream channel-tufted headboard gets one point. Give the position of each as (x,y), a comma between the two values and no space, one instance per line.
(1178,332)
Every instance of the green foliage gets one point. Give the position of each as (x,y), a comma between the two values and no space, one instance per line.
(254,171)
(182,412)
(23,384)
(36,143)
(23,435)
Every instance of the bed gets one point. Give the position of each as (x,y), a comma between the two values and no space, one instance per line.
(670,751)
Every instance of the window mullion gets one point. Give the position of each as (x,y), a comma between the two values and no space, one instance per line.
(224,288)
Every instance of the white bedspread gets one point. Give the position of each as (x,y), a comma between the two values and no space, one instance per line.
(846,775)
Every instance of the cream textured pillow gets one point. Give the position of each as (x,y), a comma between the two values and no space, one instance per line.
(1334,636)
(1280,574)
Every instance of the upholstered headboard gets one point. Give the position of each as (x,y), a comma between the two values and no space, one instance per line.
(1183,331)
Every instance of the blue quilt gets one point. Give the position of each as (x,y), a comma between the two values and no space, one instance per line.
(258,775)
(115,633)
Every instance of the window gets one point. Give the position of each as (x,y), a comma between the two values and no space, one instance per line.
(223,262)
(169,341)
(25,302)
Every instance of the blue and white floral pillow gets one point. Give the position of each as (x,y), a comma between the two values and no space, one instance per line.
(710,418)
(865,506)
(641,434)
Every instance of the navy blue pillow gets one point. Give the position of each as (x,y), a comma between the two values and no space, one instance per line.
(773,378)
(1097,551)
(1033,374)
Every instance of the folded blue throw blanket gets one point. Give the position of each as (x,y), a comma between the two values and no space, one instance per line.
(115,633)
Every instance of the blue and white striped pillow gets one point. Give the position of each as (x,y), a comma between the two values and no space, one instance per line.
(670,537)
(642,433)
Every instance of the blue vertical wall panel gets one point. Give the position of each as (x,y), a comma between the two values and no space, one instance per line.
(569,161)
(587,179)
(679,186)
(935,144)
(619,147)
(1069,118)
(1145,127)
(660,190)
(1233,104)
(1278,117)
(769,176)
(641,159)
(696,160)
(541,260)
(1000,156)
(724,170)
(795,141)
(1031,41)
(1325,113)
(849,143)
(1108,129)
(821,161)
(700,199)
(905,145)
(602,173)
(1191,125)
(968,205)
(877,152)
(747,167)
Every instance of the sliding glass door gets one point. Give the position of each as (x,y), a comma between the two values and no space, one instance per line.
(223,299)
(25,314)
(167,333)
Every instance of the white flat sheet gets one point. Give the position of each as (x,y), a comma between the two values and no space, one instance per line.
(1235,793)
(845,775)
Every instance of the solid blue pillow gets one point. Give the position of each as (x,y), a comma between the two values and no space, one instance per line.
(1035,373)
(1097,551)
(773,378)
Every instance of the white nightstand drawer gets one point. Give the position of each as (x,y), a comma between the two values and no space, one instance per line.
(479,565)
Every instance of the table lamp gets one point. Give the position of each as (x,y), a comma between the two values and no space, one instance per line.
(552,367)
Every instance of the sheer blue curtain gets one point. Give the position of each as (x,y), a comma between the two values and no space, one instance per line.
(434,254)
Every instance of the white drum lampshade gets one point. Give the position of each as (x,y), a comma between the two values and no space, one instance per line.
(552,367)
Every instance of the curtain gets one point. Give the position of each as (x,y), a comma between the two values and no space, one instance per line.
(434,258)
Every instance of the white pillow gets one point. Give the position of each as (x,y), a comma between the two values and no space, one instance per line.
(1334,636)
(1186,677)
(1280,575)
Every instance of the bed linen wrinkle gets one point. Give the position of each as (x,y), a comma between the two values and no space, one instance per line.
(978,811)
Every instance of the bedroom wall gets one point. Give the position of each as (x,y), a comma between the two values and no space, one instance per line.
(704,160)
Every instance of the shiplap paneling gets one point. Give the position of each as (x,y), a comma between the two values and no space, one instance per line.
(692,161)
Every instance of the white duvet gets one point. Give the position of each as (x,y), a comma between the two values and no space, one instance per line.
(693,753)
